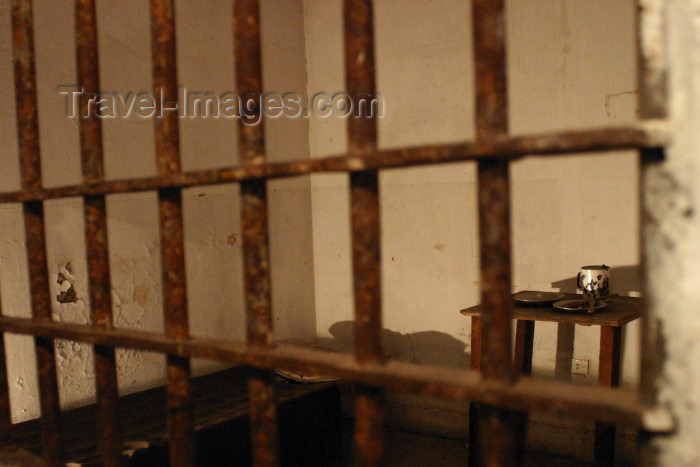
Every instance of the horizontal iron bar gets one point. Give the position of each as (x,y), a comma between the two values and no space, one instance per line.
(560,398)
(591,140)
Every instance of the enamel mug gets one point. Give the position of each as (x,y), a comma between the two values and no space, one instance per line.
(594,280)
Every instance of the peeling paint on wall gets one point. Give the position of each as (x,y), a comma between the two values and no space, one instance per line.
(65,282)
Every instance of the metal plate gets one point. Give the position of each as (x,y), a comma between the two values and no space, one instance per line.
(530,297)
(581,307)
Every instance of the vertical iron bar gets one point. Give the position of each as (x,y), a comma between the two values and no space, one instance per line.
(179,386)
(369,413)
(25,93)
(256,259)
(99,284)
(30,166)
(365,225)
(45,350)
(498,428)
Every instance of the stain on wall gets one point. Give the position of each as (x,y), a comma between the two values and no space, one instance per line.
(66,284)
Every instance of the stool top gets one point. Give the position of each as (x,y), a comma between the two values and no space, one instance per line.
(620,310)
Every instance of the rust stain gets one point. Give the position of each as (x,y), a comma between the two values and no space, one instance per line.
(141,295)
(69,296)
(439,247)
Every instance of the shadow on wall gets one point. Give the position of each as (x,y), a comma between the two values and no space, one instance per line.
(424,347)
(406,411)
(623,280)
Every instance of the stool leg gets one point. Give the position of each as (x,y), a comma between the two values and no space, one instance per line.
(524,337)
(608,375)
(474,408)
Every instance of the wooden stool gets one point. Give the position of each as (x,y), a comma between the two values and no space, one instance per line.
(620,311)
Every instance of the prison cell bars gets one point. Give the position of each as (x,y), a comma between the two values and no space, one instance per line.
(95,212)
(493,149)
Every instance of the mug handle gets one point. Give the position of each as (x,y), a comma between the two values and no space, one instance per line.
(578,280)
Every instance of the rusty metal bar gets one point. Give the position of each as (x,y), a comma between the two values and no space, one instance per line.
(256,255)
(552,144)
(99,284)
(369,413)
(366,266)
(45,350)
(25,94)
(30,167)
(555,397)
(365,226)
(498,428)
(494,229)
(179,388)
